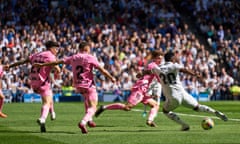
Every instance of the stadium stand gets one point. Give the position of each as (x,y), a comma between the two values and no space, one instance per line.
(122,33)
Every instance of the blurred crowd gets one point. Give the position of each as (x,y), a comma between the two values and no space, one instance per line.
(218,22)
(122,33)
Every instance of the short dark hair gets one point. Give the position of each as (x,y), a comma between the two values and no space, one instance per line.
(156,53)
(82,45)
(50,44)
(168,56)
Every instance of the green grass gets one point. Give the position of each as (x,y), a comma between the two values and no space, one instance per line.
(117,127)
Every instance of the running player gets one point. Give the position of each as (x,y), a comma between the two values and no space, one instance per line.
(155,88)
(83,65)
(139,94)
(174,91)
(40,79)
(2,97)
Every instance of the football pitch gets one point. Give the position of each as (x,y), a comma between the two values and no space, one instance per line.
(117,127)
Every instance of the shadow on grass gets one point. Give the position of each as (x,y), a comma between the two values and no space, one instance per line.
(127,130)
(25,131)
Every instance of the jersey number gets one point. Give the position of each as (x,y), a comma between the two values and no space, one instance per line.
(169,78)
(79,70)
(36,70)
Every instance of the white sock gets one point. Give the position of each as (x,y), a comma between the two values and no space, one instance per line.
(204,108)
(175,118)
(83,122)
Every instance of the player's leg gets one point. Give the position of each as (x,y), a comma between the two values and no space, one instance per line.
(189,101)
(47,97)
(135,98)
(168,107)
(45,107)
(144,114)
(114,106)
(52,111)
(91,101)
(157,92)
(153,111)
(90,123)
(150,93)
(2,115)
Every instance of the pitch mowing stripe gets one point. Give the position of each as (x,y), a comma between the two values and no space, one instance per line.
(191,115)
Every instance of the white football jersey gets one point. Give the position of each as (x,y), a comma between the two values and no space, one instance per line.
(169,75)
(172,87)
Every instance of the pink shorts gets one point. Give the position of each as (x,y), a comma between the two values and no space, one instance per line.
(138,96)
(43,91)
(90,94)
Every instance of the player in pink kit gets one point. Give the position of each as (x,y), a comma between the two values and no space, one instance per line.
(139,94)
(40,79)
(83,80)
(2,115)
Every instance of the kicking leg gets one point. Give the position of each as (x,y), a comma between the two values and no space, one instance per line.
(190,102)
(204,108)
(114,106)
(173,116)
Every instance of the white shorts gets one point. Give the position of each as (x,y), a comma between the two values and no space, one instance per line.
(178,98)
(155,89)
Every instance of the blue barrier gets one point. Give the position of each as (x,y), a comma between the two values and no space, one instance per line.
(104,97)
(32,97)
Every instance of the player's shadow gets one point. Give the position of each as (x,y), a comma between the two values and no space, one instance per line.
(133,131)
(127,130)
(25,131)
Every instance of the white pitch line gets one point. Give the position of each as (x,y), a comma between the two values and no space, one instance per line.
(191,115)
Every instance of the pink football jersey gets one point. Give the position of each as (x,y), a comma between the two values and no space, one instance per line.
(146,79)
(82,66)
(40,76)
(1,71)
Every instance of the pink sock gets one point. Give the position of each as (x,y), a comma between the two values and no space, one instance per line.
(1,103)
(115,106)
(44,111)
(152,113)
(90,112)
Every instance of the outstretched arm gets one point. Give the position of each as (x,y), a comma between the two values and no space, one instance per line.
(48,64)
(190,72)
(144,72)
(106,73)
(18,63)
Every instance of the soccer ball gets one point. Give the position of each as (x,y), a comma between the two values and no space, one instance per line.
(207,123)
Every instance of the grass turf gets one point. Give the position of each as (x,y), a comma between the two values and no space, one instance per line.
(117,127)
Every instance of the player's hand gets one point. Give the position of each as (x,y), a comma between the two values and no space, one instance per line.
(37,65)
(113,79)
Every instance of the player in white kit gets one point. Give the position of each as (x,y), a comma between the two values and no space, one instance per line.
(174,92)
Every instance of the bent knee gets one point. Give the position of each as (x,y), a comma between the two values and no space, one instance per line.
(128,107)
(196,108)
(165,111)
